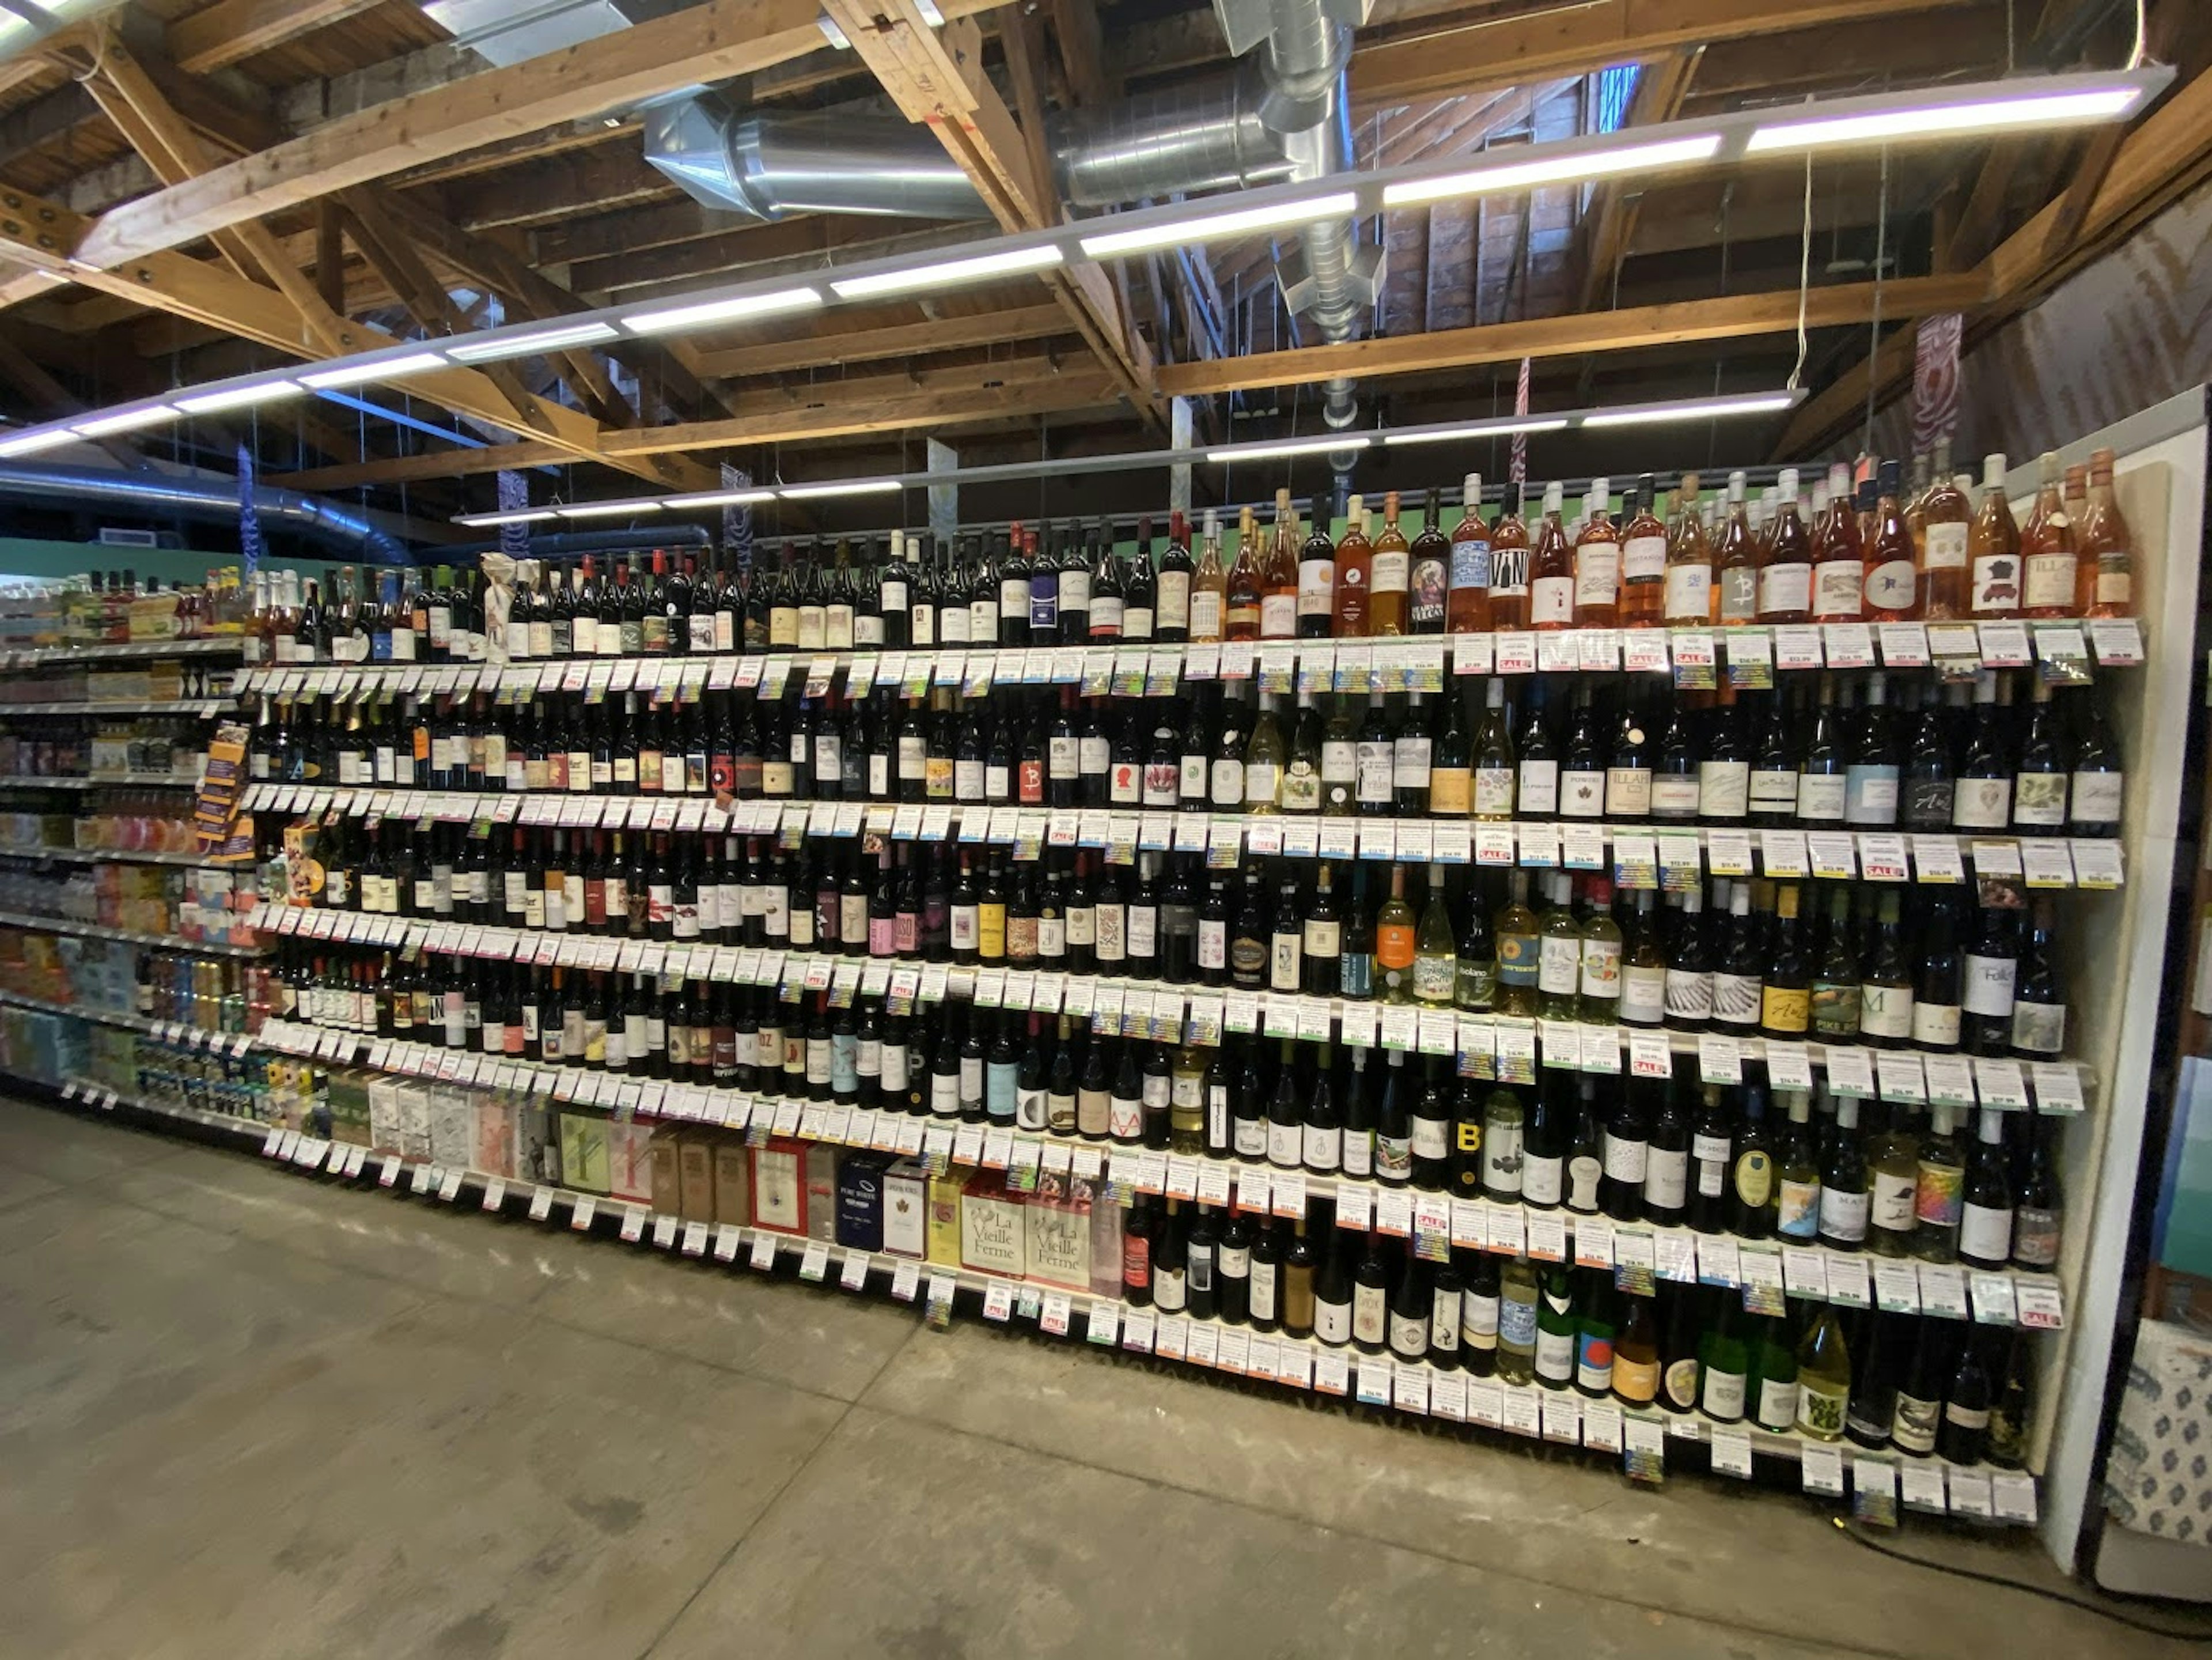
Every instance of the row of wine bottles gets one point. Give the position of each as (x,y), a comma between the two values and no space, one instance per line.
(1834,754)
(1931,967)
(1837,1171)
(1863,553)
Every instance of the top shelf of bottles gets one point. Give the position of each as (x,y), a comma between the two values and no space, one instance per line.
(1748,656)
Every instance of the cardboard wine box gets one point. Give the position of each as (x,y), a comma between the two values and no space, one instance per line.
(629,1162)
(695,1177)
(732,1163)
(906,1209)
(779,1184)
(943,1239)
(861,1200)
(1058,1235)
(993,1238)
(668,1195)
(584,1151)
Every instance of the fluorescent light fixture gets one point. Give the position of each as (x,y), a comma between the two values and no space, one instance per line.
(948,273)
(522,346)
(1209,226)
(720,499)
(930,15)
(234,397)
(1268,451)
(389,368)
(606,509)
(731,310)
(1604,163)
(1497,428)
(1698,409)
(1996,112)
(519,516)
(845,487)
(31,443)
(129,421)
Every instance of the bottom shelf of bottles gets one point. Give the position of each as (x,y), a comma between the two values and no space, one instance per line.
(649,1197)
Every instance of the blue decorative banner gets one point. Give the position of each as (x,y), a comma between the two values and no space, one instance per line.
(514,497)
(738,520)
(249,514)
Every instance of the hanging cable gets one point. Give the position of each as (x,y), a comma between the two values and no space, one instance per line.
(1804,275)
(2136,57)
(1874,328)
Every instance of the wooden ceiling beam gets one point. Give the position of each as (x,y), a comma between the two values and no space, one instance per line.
(917,339)
(1624,330)
(425,467)
(710,42)
(215,37)
(1516,48)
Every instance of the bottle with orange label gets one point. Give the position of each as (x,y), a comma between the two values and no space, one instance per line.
(1395,935)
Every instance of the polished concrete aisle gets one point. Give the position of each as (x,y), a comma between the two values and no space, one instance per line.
(243,1414)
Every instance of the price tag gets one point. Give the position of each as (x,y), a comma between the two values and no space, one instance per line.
(449,1187)
(1728,852)
(1923,1486)
(763,1250)
(1903,645)
(1507,1234)
(586,1208)
(1514,653)
(2097,865)
(633,1225)
(2118,640)
(1796,646)
(1804,1272)
(1850,1071)
(1950,1079)
(1593,1243)
(905,1280)
(1896,1287)
(2012,1497)
(1520,1411)
(541,1204)
(2005,646)
(1540,845)
(1995,859)
(1203,1344)
(1681,867)
(1493,845)
(1719,1263)
(1644,1459)
(1635,860)
(1873,1491)
(1992,1298)
(1900,1077)
(1833,855)
(1599,651)
(1943,1289)
(1788,1066)
(1847,1279)
(1731,1450)
(2046,864)
(1643,651)
(1557,653)
(1355,1206)
(1448,1397)
(1486,1402)
(2036,1304)
(1822,1471)
(1720,1060)
(1547,1237)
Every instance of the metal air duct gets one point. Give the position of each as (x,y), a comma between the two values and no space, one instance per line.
(154,494)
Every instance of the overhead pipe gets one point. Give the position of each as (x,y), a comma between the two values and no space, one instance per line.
(153,496)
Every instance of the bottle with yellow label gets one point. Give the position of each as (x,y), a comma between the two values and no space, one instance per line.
(1785,1001)
(1752,1173)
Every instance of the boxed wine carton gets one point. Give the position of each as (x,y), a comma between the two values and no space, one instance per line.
(733,1165)
(906,1209)
(1058,1217)
(779,1185)
(861,1200)
(629,1161)
(943,1239)
(667,1181)
(695,1176)
(584,1151)
(993,1238)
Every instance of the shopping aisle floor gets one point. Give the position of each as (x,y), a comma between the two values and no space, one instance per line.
(245,1414)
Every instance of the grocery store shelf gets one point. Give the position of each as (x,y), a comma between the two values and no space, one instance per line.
(119,856)
(1647,855)
(1851,1279)
(32,657)
(1751,655)
(123,706)
(129,936)
(1637,1435)
(182,781)
(1164,1013)
(169,1031)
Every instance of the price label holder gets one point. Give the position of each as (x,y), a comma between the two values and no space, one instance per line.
(1900,1077)
(1728,852)
(1763,1280)
(1873,1491)
(2058,1087)
(1782,853)
(1681,867)
(1834,855)
(1137,1329)
(1694,659)
(1677,1251)
(1562,1419)
(1643,1457)
(1955,648)
(1558,652)
(1798,645)
(1635,860)
(1849,646)
(1848,1283)
(1850,1071)
(905,1280)
(1636,1260)
(1720,1060)
(1923,1486)
(541,1204)
(1599,651)
(586,1208)
(1731,1450)
(1992,1298)
(1821,1469)
(1643,651)
(1547,1237)
(2046,864)
(1788,1066)
(1804,1272)
(2012,1497)
(1507,1230)
(1521,1411)
(1950,1079)
(1943,1289)
(1936,858)
(1593,1243)
(2118,640)
(2097,865)
(2005,646)
(763,1250)
(2036,1304)
(1539,846)
(1896,1287)
(937,1300)
(1718,1263)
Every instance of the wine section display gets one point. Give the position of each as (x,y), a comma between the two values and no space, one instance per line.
(1626,980)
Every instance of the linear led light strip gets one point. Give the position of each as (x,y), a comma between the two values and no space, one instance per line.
(2018,104)
(1264,449)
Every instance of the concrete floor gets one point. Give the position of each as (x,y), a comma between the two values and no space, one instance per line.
(242,1414)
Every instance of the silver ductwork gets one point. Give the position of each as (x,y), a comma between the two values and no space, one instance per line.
(154,496)
(1212,136)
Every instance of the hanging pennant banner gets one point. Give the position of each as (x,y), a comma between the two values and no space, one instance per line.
(514,497)
(1935,380)
(738,520)
(249,514)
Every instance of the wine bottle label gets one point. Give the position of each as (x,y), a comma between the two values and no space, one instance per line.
(1642,994)
(1444,1320)
(1838,589)
(1251,1138)
(1285,1144)
(1389,571)
(1493,793)
(1913,1429)
(1322,1146)
(1449,792)
(1582,793)
(1665,1179)
(1369,1311)
(1754,1180)
(1478,1321)
(2050,578)
(2035,1237)
(1989,985)
(1597,573)
(1673,795)
(1994,584)
(1627,792)
(1594,1362)
(1551,601)
(1774,790)
(1797,1216)
(1939,1195)
(1777,1403)
(1583,1171)
(1542,1178)
(1555,1355)
(1981,803)
(2039,799)
(1434,979)
(1689,994)
(2038,1028)
(1724,788)
(1785,587)
(1736,999)
(2097,796)
(1870,795)
(1316,586)
(1279,615)
(1560,965)
(1508,572)
(1820,796)
(1539,785)
(1409,1335)
(1930,803)
(1842,1216)
(1944,548)
(1724,1394)
(1885,1011)
(1738,594)
(1601,968)
(1985,1232)
(1689,593)
(1681,1378)
(1821,1407)
(1785,1009)
(1332,1322)
(1431,1139)
(1936,1024)
(1502,1161)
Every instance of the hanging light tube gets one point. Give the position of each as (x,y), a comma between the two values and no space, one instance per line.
(382,368)
(950,273)
(1212,227)
(2042,102)
(736,308)
(522,345)
(127,421)
(1691,409)
(1276,449)
(1603,162)
(236,397)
